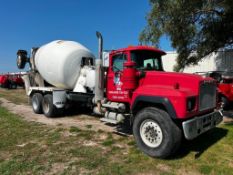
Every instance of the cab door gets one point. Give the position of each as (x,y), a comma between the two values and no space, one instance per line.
(115,91)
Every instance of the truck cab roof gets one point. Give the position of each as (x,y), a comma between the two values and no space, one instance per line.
(133,48)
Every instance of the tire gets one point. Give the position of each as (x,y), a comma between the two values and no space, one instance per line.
(36,102)
(21,59)
(48,108)
(155,133)
(13,86)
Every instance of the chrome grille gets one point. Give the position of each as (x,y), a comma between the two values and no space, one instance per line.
(207,97)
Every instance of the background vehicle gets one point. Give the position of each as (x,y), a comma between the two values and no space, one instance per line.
(130,85)
(11,80)
(225,86)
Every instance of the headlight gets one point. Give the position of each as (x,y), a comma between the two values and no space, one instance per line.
(191,103)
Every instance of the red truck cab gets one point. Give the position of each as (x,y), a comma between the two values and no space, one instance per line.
(182,90)
(186,102)
(11,81)
(4,80)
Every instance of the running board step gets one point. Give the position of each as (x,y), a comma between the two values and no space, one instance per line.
(107,120)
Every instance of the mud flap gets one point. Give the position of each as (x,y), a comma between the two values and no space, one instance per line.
(59,98)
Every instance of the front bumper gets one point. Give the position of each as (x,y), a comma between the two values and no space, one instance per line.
(198,125)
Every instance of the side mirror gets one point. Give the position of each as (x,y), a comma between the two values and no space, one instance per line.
(142,74)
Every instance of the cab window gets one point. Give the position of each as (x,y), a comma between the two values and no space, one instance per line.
(118,61)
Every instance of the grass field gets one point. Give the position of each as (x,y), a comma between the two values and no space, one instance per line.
(18,96)
(33,148)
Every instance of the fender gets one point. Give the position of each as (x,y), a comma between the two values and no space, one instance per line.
(155,100)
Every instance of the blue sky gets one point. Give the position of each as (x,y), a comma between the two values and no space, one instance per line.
(30,23)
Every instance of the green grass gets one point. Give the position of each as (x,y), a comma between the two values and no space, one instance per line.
(32,148)
(17,96)
(89,126)
(74,129)
(109,141)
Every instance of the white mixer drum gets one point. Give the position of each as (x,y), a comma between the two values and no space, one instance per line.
(59,62)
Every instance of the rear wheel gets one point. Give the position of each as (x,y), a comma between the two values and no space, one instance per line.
(48,108)
(155,133)
(36,101)
(13,85)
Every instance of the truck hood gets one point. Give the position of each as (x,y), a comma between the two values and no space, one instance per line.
(172,80)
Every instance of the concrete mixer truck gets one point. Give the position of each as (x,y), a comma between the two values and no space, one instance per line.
(127,85)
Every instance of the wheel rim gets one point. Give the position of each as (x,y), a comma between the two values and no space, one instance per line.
(46,106)
(19,62)
(151,133)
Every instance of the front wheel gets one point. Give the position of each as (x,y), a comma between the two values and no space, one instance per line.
(155,133)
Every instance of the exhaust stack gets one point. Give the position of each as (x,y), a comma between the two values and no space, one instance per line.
(99,76)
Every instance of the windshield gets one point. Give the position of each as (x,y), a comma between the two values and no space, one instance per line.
(147,60)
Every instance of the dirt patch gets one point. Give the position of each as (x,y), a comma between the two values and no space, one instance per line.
(89,143)
(183,171)
(227,120)
(80,121)
(5,155)
(163,167)
(56,168)
(228,116)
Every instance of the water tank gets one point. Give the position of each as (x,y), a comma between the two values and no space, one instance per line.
(59,62)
